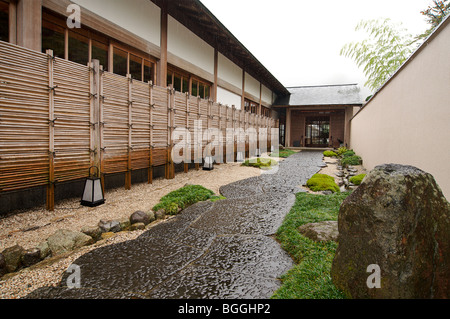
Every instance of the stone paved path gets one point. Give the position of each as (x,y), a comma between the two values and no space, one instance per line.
(212,250)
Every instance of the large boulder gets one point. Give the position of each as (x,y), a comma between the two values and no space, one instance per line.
(63,241)
(397,221)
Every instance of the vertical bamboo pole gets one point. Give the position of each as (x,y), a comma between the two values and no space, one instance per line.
(186,147)
(101,126)
(130,132)
(151,106)
(170,168)
(197,165)
(51,121)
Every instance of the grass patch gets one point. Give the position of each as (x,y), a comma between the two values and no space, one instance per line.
(357,180)
(283,153)
(215,198)
(322,182)
(183,198)
(263,163)
(310,278)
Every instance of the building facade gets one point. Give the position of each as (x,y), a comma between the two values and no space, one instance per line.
(318,116)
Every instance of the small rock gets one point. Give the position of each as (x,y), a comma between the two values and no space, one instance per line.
(44,250)
(31,256)
(323,231)
(151,216)
(108,235)
(160,214)
(137,226)
(13,257)
(63,241)
(94,231)
(109,226)
(339,174)
(125,224)
(327,192)
(139,217)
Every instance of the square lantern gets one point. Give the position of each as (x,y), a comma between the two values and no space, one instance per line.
(240,157)
(209,163)
(93,192)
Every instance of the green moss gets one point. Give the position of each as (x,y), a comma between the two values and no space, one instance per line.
(182,198)
(329,154)
(283,153)
(357,180)
(351,160)
(263,163)
(215,198)
(322,182)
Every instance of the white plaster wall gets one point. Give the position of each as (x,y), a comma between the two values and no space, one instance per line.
(252,85)
(266,95)
(407,122)
(228,98)
(141,17)
(186,45)
(229,72)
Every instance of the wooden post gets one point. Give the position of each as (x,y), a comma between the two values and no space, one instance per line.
(151,106)
(51,135)
(170,168)
(162,63)
(186,147)
(130,132)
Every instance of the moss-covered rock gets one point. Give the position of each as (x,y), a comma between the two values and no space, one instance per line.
(322,182)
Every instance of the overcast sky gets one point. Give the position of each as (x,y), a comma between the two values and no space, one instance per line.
(299,41)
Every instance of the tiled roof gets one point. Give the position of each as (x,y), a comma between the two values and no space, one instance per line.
(347,94)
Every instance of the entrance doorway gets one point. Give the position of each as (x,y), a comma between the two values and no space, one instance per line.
(317,131)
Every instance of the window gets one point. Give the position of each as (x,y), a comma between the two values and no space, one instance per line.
(148,71)
(250,106)
(135,67)
(4,21)
(265,111)
(53,38)
(201,89)
(78,48)
(100,52)
(120,62)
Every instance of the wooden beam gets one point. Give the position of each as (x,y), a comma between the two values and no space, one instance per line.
(162,63)
(29,24)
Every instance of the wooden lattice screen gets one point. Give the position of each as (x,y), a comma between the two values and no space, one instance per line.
(59,118)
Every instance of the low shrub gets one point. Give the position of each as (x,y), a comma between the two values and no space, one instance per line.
(348,154)
(182,198)
(351,160)
(322,182)
(342,150)
(357,180)
(329,154)
(263,163)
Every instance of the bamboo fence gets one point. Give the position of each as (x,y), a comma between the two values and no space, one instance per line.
(59,118)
